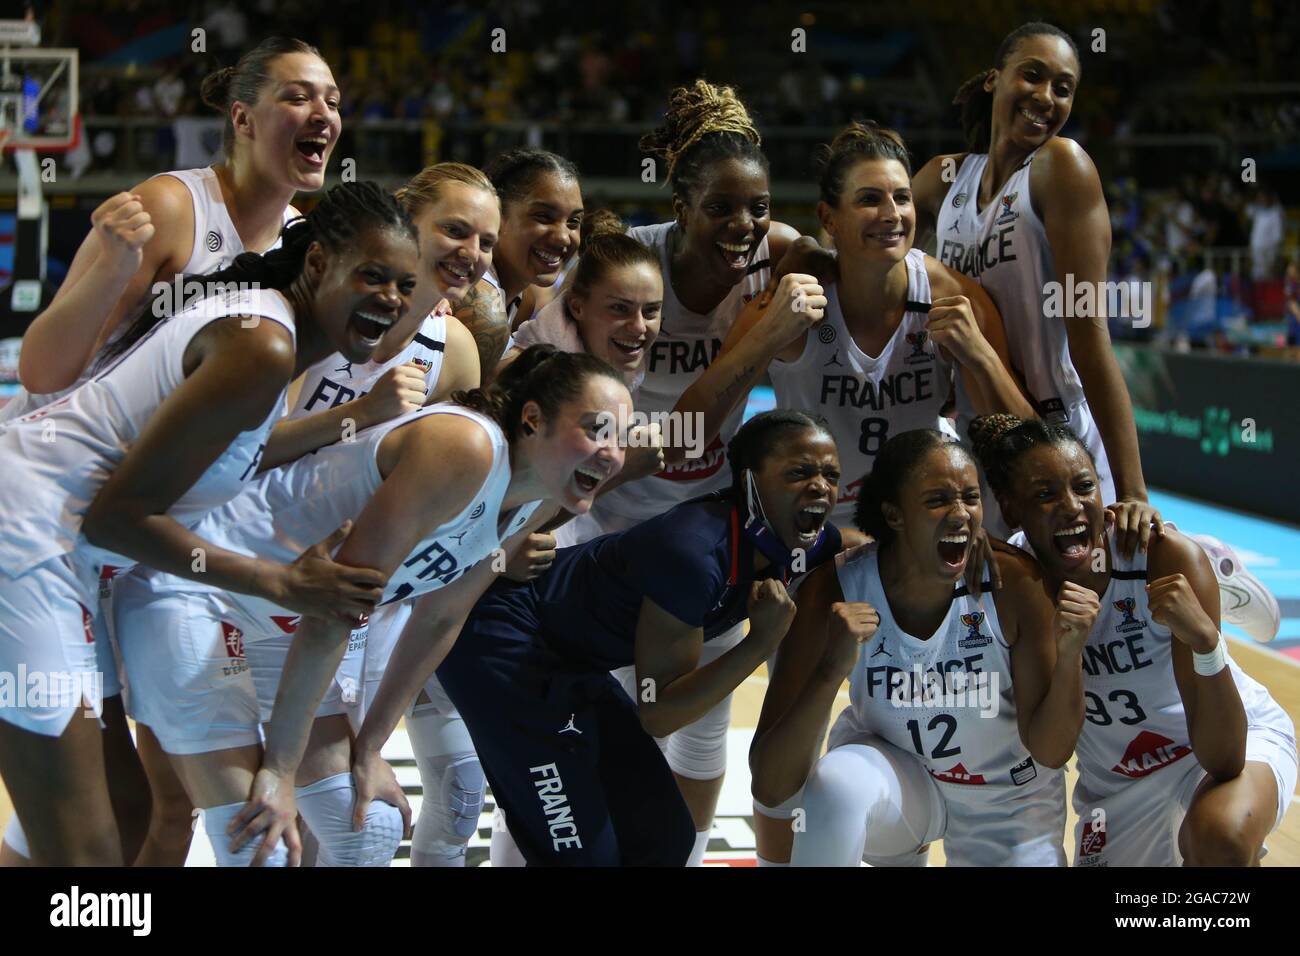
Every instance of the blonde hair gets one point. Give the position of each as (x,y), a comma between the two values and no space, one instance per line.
(425,187)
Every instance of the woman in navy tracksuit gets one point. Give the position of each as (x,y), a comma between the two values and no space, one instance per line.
(570,758)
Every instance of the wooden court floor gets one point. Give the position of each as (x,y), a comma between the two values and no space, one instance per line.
(1278,674)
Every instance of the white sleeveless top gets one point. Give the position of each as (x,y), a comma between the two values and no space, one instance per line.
(1004,247)
(949,699)
(289,509)
(216,244)
(868,400)
(687,344)
(335,380)
(58,457)
(1136,724)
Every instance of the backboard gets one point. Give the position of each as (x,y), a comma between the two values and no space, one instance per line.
(38,99)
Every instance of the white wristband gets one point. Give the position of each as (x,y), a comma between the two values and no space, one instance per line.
(1207,665)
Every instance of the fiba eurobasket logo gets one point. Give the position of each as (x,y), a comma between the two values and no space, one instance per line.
(1126,607)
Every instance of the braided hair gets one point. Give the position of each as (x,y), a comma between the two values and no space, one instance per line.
(704,124)
(343,214)
(1000,441)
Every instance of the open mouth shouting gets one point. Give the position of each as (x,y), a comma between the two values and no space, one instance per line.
(954,548)
(1072,542)
(809,521)
(370,327)
(736,254)
(312,149)
(587,479)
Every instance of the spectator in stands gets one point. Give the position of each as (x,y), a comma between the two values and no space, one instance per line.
(1291,290)
(1267,226)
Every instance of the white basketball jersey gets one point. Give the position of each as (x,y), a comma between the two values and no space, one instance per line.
(687,344)
(335,380)
(868,400)
(58,457)
(1004,247)
(1136,724)
(289,509)
(948,699)
(216,243)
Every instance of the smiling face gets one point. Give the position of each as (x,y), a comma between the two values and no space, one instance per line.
(729,216)
(539,232)
(1033,92)
(938,512)
(619,317)
(361,293)
(875,219)
(294,125)
(798,483)
(458,232)
(575,452)
(1057,502)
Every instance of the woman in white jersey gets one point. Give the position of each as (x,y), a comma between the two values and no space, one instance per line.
(435,493)
(169,427)
(900,327)
(961,707)
(426,356)
(1183,759)
(185,222)
(1024,213)
(715,255)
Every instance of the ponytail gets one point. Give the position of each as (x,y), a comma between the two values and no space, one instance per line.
(541,374)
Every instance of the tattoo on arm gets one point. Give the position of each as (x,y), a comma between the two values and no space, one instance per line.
(728,393)
(485,316)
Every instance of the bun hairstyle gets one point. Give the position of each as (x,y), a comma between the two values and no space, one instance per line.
(1000,440)
(976,103)
(704,124)
(515,171)
(425,187)
(856,142)
(605,246)
(245,81)
(894,465)
(343,214)
(757,439)
(541,374)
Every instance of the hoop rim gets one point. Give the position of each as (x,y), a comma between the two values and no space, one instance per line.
(8,144)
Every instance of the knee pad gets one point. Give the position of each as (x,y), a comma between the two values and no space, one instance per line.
(699,750)
(215,822)
(327,805)
(16,839)
(453,800)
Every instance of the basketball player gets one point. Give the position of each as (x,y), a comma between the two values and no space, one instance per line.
(280,105)
(169,428)
(899,325)
(715,255)
(1183,759)
(455,211)
(961,708)
(563,747)
(1024,213)
(433,493)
